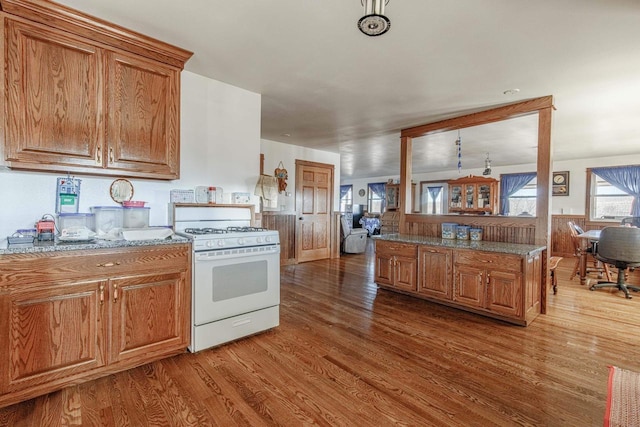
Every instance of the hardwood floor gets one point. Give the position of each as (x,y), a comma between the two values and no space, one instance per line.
(349,354)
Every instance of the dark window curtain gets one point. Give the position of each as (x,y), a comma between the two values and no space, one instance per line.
(434,192)
(624,178)
(509,185)
(344,189)
(378,189)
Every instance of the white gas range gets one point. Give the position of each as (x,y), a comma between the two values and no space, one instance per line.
(236,273)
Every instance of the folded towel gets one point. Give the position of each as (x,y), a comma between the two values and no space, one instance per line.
(267,188)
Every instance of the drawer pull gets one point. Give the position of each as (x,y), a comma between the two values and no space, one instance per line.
(115,292)
(108,264)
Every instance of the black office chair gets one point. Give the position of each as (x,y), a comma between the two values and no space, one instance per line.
(619,246)
(633,221)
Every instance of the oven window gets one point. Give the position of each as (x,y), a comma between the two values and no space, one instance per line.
(237,280)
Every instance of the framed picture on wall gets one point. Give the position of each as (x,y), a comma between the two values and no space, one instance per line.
(560,184)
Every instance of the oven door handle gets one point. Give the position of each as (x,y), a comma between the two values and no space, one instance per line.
(235,253)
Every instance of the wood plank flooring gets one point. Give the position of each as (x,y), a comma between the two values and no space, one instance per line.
(349,354)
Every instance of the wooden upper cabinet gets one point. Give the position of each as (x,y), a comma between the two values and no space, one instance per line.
(85,96)
(142,107)
(53,95)
(473,194)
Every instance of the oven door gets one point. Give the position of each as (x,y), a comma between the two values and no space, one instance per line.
(230,282)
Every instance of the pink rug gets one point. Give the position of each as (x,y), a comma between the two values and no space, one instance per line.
(623,398)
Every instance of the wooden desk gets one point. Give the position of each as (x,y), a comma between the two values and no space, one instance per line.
(584,239)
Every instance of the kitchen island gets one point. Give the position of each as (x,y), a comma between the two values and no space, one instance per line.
(499,280)
(72,312)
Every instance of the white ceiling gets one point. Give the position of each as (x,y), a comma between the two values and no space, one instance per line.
(332,88)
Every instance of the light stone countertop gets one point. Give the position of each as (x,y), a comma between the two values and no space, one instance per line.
(482,245)
(38,247)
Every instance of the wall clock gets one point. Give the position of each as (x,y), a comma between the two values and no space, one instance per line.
(560,184)
(361,193)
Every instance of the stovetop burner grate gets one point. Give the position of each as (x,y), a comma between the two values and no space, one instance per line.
(203,231)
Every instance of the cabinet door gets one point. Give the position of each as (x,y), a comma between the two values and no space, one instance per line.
(53,99)
(148,315)
(142,105)
(470,196)
(469,286)
(52,332)
(384,268)
(455,197)
(434,272)
(505,293)
(405,273)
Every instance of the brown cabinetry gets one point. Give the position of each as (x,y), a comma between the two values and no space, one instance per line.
(396,265)
(72,316)
(490,281)
(501,285)
(75,104)
(434,272)
(473,194)
(392,196)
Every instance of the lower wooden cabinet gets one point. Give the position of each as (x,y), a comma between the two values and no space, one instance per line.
(396,265)
(500,285)
(435,272)
(72,316)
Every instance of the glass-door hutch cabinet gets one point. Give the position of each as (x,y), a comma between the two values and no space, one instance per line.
(473,194)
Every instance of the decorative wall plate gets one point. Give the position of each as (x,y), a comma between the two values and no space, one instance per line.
(121,190)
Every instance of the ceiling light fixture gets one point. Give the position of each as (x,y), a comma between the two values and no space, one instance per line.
(374,23)
(487,166)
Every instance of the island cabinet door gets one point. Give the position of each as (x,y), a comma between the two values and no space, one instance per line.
(52,333)
(384,269)
(504,293)
(470,286)
(435,272)
(406,269)
(149,313)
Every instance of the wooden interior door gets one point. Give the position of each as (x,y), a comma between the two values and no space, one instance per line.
(314,196)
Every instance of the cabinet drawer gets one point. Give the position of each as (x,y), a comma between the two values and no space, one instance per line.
(396,248)
(34,269)
(489,260)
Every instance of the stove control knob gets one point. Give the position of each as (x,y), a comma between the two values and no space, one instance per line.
(210,243)
(259,239)
(220,242)
(267,239)
(241,241)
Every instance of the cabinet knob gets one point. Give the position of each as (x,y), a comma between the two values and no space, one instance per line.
(101,293)
(110,154)
(99,155)
(115,292)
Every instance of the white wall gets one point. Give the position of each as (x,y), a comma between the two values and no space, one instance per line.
(220,146)
(573,204)
(276,152)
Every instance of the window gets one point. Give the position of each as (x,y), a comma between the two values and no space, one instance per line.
(523,201)
(346,198)
(518,194)
(376,197)
(432,197)
(606,201)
